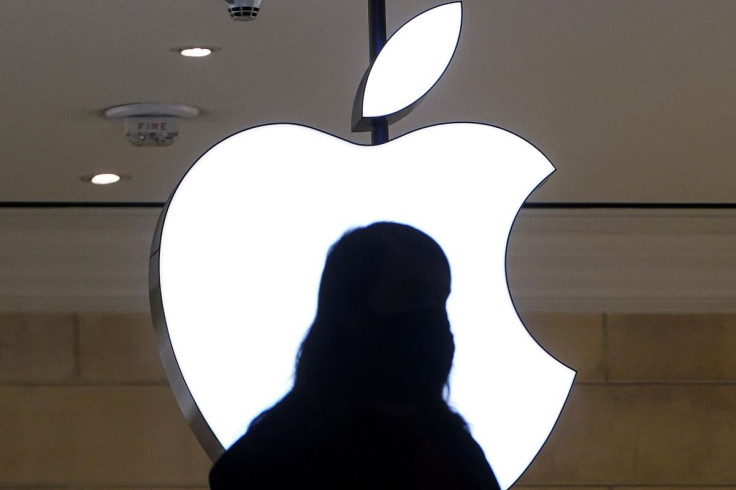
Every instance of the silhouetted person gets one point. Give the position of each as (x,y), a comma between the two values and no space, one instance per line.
(367,410)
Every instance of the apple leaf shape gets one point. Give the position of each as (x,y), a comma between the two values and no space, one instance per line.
(412,61)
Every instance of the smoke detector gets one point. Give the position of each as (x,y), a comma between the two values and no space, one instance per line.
(243,9)
(148,124)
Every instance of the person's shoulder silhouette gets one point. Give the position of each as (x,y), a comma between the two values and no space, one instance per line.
(367,410)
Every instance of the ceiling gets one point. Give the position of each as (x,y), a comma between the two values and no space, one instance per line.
(632,100)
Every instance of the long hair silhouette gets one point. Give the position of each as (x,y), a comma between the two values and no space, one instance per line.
(367,410)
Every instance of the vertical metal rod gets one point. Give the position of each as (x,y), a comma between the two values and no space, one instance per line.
(376,40)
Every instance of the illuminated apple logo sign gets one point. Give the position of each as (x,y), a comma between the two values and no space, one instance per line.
(241,244)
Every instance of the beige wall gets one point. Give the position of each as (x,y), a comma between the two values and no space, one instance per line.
(654,403)
(84,404)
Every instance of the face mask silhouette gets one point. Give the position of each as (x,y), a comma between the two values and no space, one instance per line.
(409,355)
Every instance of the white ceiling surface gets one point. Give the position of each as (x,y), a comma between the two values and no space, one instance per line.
(632,100)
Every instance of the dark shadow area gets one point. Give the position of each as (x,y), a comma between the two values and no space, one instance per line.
(367,409)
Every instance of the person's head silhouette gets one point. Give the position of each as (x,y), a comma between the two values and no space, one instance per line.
(381,331)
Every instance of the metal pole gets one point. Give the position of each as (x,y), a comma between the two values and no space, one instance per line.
(376,40)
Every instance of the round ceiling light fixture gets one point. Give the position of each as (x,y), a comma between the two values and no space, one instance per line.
(105,178)
(196,51)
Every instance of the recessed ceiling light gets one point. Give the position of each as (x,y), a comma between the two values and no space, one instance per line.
(105,179)
(196,51)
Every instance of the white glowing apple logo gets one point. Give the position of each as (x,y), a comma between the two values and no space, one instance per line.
(241,246)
